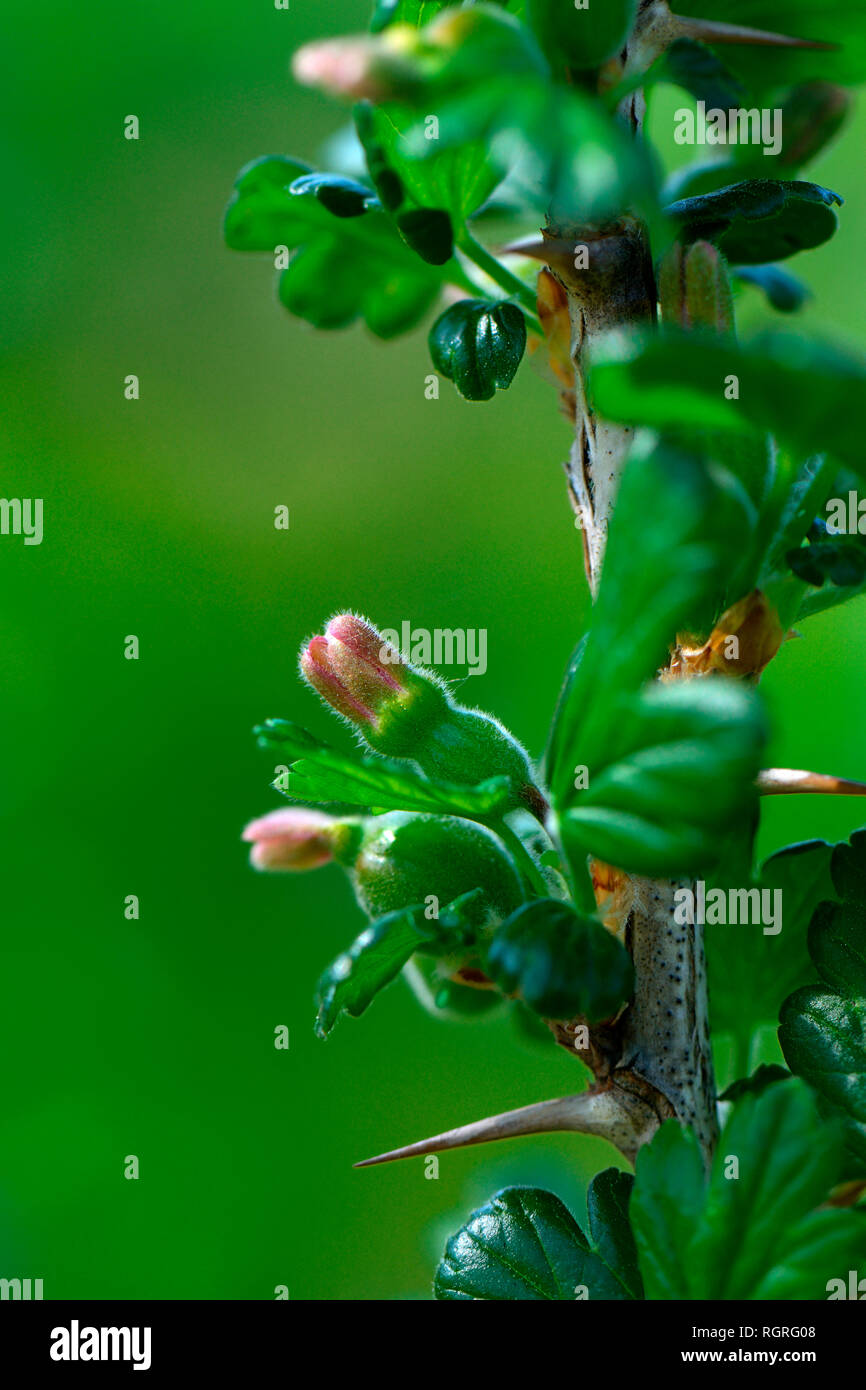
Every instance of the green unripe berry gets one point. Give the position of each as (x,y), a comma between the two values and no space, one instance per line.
(406,858)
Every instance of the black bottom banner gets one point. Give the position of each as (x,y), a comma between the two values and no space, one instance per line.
(161,1339)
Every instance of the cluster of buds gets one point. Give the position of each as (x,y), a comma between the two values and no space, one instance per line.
(404,711)
(400,859)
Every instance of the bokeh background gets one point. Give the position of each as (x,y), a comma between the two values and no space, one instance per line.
(155,1037)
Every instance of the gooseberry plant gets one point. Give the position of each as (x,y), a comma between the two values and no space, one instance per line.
(510,193)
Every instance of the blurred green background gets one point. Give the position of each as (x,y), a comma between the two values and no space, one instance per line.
(155,1037)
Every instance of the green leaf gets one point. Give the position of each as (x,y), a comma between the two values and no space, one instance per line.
(428,232)
(261,209)
(652,758)
(749,972)
(835,22)
(819,489)
(699,71)
(353,980)
(348,264)
(807,395)
(420,12)
(759,220)
(751,1228)
(525,1245)
(794,495)
(487,81)
(811,116)
(607,1203)
(417,12)
(667,1204)
(675,781)
(842,562)
(754,1235)
(478,345)
(823,1028)
(578,39)
(319,773)
(560,722)
(289,739)
(830,596)
(560,964)
(837,557)
(783,291)
(455,181)
(341,196)
(757,1083)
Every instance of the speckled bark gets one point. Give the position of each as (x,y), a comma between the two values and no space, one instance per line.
(614,290)
(666,1034)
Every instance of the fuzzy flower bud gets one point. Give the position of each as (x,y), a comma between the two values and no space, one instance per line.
(366,680)
(293,838)
(694,288)
(405,711)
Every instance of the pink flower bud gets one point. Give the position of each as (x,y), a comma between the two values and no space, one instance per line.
(358,68)
(355,670)
(292,838)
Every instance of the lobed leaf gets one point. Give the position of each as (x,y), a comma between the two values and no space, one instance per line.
(560,964)
(657,579)
(823,1027)
(749,973)
(454,182)
(487,81)
(811,115)
(349,260)
(809,396)
(754,1085)
(319,773)
(750,1232)
(675,780)
(759,220)
(525,1245)
(607,1207)
(353,980)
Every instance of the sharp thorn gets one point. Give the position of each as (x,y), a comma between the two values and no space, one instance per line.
(567,1113)
(711,31)
(775,781)
(528,246)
